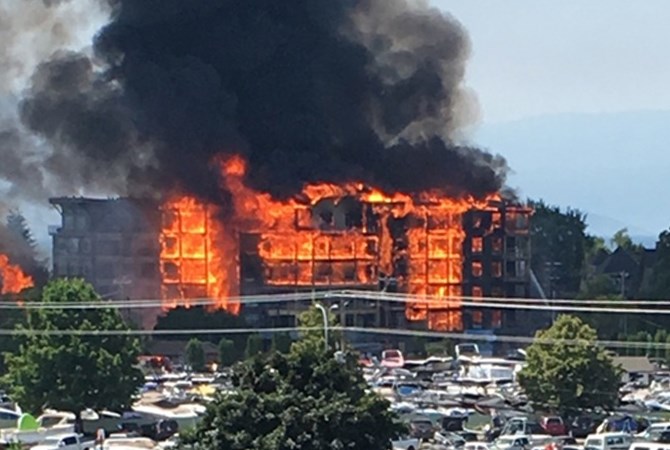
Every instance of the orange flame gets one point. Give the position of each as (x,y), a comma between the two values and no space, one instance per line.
(196,257)
(12,278)
(299,248)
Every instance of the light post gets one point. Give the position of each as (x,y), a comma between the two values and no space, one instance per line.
(324,314)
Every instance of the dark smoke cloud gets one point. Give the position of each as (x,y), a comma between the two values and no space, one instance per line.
(307,90)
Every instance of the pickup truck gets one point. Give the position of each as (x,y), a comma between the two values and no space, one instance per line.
(64,442)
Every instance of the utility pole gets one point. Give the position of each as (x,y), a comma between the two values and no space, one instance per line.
(622,283)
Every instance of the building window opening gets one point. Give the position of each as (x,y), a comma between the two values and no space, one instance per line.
(477,245)
(496,269)
(476,269)
(477,319)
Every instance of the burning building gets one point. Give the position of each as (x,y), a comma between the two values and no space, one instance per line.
(331,236)
(284,146)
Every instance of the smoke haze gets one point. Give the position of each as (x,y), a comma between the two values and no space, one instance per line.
(307,91)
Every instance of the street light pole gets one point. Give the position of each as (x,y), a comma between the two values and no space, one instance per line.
(324,314)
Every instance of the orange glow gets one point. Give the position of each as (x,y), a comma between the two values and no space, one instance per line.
(12,278)
(196,258)
(313,240)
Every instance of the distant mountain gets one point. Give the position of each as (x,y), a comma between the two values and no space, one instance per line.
(614,165)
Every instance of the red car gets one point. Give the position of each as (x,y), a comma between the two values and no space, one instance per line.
(554,426)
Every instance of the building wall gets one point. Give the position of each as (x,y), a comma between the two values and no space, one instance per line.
(112,244)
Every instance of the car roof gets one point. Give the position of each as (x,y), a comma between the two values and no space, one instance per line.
(610,434)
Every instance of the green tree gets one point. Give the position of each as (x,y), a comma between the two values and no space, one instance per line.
(24,248)
(254,345)
(197,318)
(195,355)
(599,286)
(559,244)
(622,239)
(660,337)
(304,399)
(281,342)
(228,354)
(9,318)
(76,369)
(310,322)
(660,277)
(560,368)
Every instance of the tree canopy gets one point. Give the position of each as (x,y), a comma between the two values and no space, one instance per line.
(559,245)
(23,250)
(566,370)
(311,327)
(660,279)
(195,355)
(71,370)
(302,399)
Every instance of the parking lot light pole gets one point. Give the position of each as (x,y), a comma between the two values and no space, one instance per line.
(324,314)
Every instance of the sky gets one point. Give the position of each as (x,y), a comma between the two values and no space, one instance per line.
(541,67)
(533,57)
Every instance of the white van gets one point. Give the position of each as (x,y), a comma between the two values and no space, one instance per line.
(608,441)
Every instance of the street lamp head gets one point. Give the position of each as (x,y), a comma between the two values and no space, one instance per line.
(334,307)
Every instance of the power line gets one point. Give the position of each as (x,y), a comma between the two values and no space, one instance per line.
(433,302)
(271,298)
(365,330)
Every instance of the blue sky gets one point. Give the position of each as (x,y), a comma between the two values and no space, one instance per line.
(575,93)
(532,57)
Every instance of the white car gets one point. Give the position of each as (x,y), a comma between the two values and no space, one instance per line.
(406,444)
(62,442)
(512,443)
(477,446)
(608,441)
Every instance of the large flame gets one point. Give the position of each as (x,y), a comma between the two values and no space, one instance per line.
(12,278)
(198,260)
(200,254)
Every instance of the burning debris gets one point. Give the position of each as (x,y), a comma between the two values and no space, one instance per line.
(12,278)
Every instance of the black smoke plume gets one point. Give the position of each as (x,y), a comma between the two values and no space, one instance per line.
(306,90)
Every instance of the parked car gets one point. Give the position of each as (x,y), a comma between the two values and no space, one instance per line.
(648,446)
(512,443)
(608,441)
(562,442)
(392,358)
(653,432)
(449,439)
(467,349)
(63,442)
(406,443)
(582,426)
(468,436)
(421,428)
(554,425)
(477,446)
